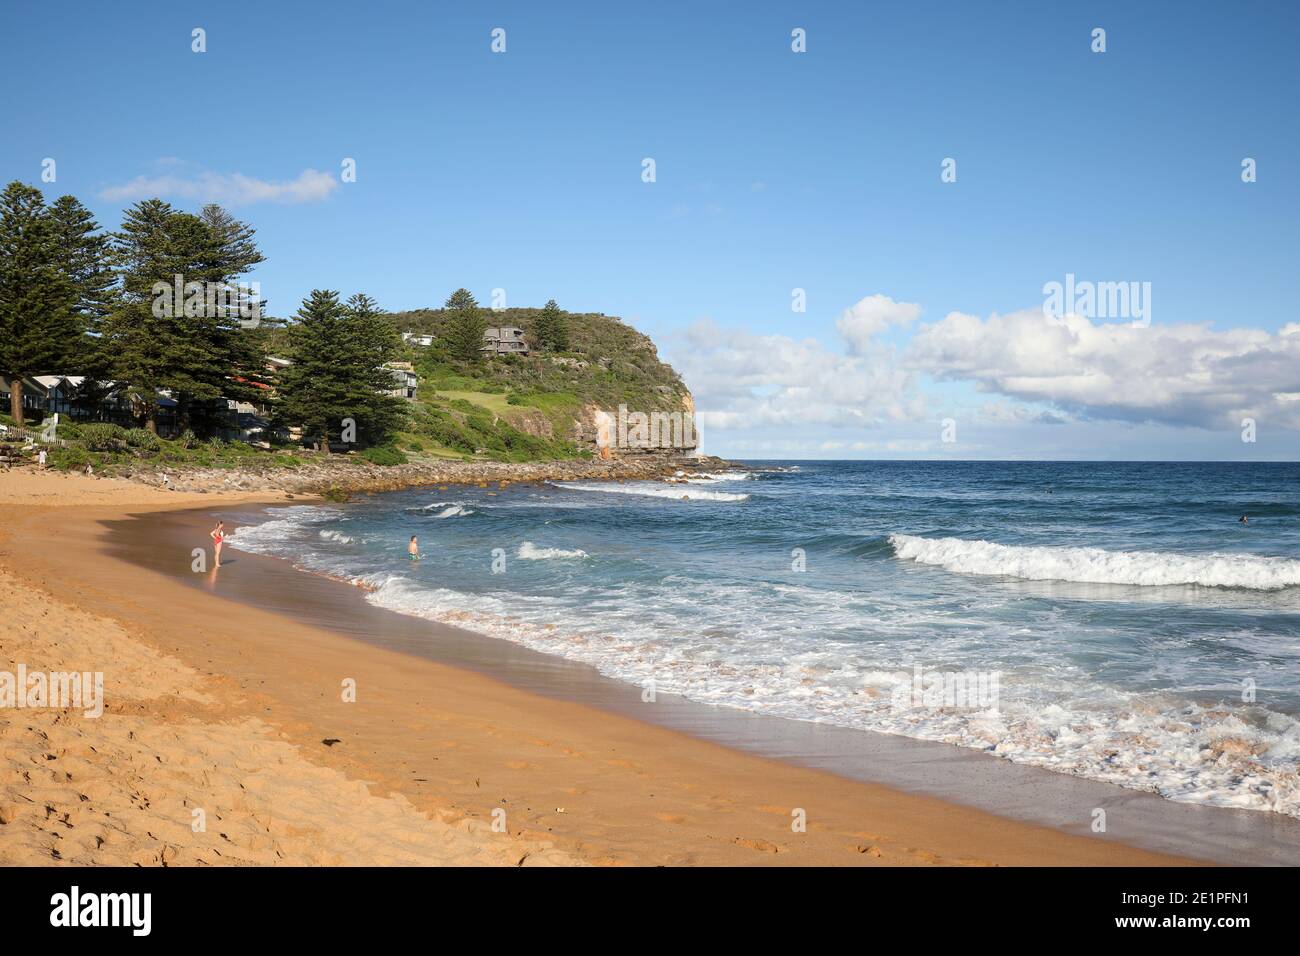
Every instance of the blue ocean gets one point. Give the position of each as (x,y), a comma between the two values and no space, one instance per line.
(1118,620)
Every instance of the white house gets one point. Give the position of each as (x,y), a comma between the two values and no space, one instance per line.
(405,380)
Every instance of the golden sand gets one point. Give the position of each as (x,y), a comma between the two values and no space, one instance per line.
(217,707)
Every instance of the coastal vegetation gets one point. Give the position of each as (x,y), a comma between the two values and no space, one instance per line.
(162,352)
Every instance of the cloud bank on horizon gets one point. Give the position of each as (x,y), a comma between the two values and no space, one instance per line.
(1032,367)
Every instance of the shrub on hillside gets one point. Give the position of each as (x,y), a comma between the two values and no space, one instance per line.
(99,436)
(384,455)
(142,438)
(72,458)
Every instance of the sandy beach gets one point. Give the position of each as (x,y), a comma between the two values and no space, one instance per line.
(239,713)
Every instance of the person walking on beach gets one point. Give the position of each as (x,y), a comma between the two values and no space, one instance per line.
(40,458)
(218,536)
(413,549)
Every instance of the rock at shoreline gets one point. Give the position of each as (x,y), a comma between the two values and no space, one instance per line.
(338,480)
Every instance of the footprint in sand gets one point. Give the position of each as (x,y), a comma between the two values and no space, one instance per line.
(760,845)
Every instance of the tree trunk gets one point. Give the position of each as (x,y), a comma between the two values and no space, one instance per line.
(325,439)
(151,419)
(16,399)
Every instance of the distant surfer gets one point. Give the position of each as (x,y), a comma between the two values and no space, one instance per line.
(413,549)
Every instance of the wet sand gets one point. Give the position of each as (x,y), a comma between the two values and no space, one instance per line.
(458,726)
(950,773)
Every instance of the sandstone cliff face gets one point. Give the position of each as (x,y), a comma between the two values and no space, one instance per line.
(608,393)
(667,430)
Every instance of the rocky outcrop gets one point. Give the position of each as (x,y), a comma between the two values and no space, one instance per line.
(341,477)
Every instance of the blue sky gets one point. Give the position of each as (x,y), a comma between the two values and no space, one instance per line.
(775,170)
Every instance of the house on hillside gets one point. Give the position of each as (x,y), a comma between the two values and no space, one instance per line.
(404,380)
(506,340)
(417,338)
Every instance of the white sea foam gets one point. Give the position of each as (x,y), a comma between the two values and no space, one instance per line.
(530,552)
(287,521)
(330,535)
(739,644)
(653,491)
(1068,724)
(1098,566)
(454,511)
(706,477)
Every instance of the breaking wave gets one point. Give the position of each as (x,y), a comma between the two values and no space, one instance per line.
(1098,566)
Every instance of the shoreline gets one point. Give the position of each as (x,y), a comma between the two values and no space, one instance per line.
(342,475)
(954,774)
(575,783)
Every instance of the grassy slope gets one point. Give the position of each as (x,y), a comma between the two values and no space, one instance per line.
(519,407)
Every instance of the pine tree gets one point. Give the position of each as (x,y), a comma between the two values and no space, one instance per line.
(337,352)
(549,330)
(370,340)
(233,340)
(195,346)
(84,258)
(39,325)
(463,332)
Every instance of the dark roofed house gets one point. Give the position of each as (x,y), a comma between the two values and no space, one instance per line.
(506,340)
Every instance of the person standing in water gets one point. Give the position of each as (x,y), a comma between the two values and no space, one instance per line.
(218,536)
(413,549)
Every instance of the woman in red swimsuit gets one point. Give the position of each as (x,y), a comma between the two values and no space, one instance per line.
(218,535)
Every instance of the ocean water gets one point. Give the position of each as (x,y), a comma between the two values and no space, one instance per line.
(1111,620)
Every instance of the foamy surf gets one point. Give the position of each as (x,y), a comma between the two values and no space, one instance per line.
(1104,679)
(451,511)
(1185,753)
(1099,566)
(653,491)
(531,552)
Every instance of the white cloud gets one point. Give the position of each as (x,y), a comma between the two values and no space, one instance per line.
(742,380)
(228,189)
(1169,374)
(868,317)
(1044,370)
